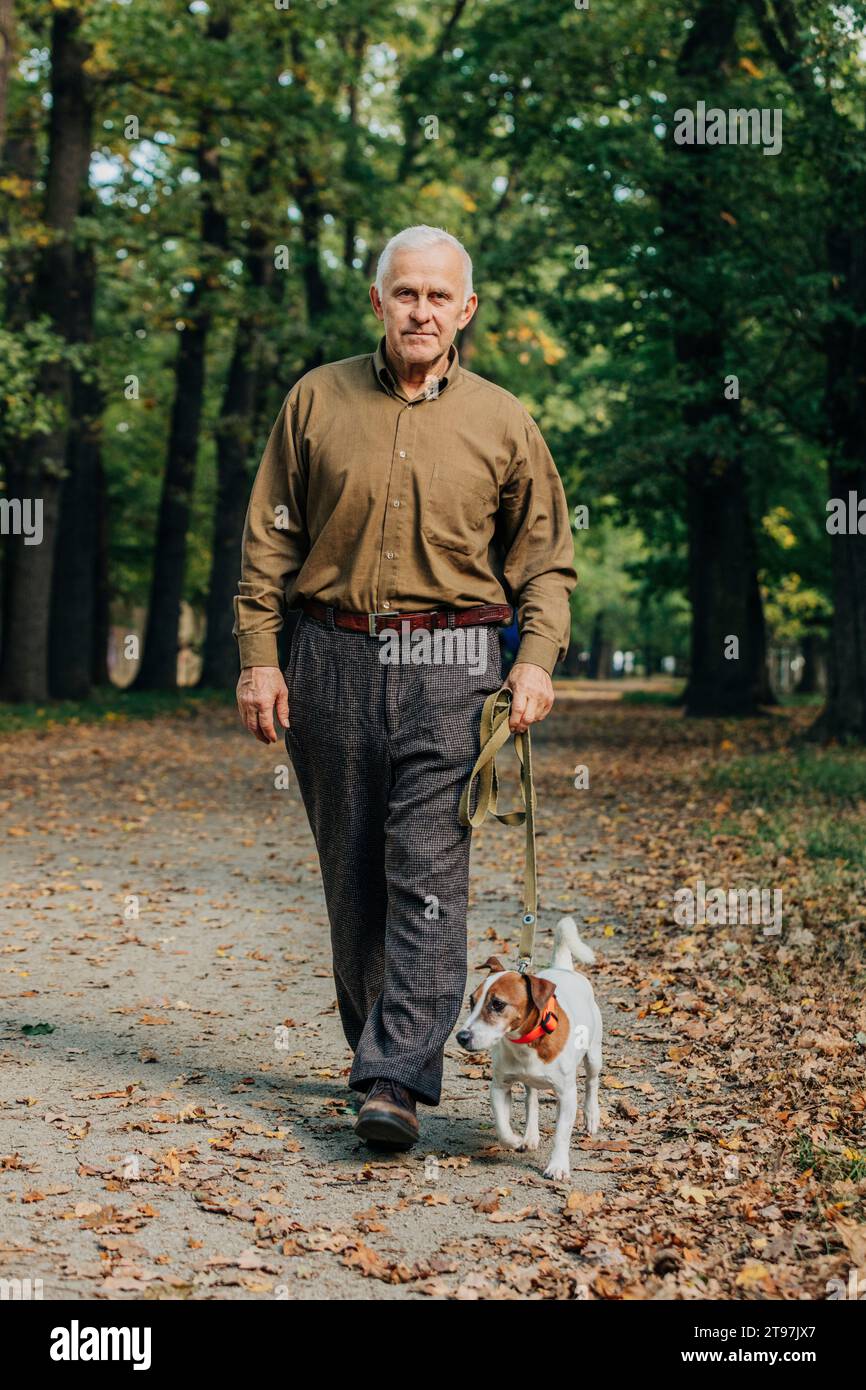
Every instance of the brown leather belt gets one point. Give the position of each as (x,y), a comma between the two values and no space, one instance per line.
(371,623)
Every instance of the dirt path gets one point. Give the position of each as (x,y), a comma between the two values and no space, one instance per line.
(185,1129)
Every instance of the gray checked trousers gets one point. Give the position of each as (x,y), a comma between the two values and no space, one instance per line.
(381,754)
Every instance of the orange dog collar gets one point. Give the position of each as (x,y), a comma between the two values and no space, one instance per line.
(546,1024)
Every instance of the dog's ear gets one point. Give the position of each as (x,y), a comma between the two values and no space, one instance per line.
(541,990)
(493,964)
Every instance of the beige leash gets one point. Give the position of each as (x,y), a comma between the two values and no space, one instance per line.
(494,734)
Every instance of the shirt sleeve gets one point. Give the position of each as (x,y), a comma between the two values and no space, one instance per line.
(538,546)
(275,542)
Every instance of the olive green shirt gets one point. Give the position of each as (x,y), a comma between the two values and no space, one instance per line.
(373,502)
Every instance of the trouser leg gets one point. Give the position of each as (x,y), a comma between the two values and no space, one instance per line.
(381,754)
(342,767)
(433,720)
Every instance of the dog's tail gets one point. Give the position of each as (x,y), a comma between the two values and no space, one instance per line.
(569,944)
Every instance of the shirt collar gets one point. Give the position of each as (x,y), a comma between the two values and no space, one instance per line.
(385,376)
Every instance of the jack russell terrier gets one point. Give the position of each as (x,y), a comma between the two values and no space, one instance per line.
(538,1028)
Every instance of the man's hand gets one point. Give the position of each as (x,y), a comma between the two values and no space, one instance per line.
(531,695)
(259,689)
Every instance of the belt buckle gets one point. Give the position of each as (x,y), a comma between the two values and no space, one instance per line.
(371,622)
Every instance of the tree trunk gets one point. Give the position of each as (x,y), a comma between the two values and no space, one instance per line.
(728,664)
(727,654)
(19,160)
(839,155)
(72,599)
(845,407)
(7,53)
(24,667)
(233,440)
(599,651)
(810,648)
(234,436)
(159,660)
(101,584)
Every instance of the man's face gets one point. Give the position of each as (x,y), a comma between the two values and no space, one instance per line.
(422,304)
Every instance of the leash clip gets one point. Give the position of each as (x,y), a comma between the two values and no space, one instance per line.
(523,964)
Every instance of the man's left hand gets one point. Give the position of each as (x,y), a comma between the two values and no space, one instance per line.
(531,695)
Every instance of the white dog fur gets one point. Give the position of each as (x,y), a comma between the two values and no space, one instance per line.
(503,1008)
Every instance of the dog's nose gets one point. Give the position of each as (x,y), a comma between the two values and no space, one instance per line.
(463,1037)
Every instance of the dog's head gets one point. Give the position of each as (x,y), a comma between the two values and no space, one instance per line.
(505,1004)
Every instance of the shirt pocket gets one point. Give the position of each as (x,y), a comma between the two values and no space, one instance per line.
(457,509)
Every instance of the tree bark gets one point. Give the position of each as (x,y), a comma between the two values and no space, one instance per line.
(73,594)
(845,405)
(24,666)
(159,660)
(19,160)
(839,155)
(7,53)
(727,677)
(599,651)
(101,584)
(233,440)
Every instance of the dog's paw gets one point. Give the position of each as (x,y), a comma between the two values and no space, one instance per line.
(529,1142)
(559,1172)
(510,1141)
(592,1119)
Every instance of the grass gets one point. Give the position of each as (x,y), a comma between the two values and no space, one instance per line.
(833,773)
(109,705)
(849,1165)
(808,801)
(667,698)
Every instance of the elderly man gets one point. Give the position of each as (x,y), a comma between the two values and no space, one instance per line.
(398,494)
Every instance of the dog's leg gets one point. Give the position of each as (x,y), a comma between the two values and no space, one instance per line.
(531,1137)
(500,1099)
(592,1068)
(559,1166)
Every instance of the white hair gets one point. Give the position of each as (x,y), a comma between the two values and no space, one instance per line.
(416,238)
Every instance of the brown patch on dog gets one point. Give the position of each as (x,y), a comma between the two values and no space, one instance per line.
(493,963)
(529,1004)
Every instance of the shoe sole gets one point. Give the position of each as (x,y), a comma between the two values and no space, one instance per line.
(386,1129)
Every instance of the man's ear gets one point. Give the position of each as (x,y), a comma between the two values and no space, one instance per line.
(541,990)
(493,963)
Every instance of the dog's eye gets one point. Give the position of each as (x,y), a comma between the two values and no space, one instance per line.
(497,1005)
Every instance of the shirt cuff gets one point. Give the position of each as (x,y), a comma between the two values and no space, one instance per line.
(539,651)
(258,649)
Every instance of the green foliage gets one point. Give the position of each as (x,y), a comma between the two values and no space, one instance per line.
(548,136)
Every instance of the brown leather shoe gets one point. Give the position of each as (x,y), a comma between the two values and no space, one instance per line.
(388,1115)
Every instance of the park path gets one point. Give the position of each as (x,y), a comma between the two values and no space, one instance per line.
(162,915)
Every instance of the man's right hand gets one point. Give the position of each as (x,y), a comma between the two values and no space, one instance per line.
(259,689)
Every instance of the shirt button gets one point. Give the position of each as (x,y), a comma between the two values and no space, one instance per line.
(386,604)
(402,453)
(397,503)
(389,554)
